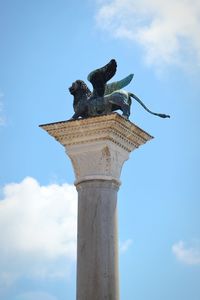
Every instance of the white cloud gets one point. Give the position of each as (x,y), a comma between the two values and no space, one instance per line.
(124,246)
(37,230)
(168,31)
(188,255)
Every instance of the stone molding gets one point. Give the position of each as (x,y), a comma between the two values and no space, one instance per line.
(98,146)
(98,184)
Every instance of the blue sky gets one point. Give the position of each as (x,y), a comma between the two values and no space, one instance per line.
(45,46)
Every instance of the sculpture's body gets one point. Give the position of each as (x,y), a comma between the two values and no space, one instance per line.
(89,106)
(105,98)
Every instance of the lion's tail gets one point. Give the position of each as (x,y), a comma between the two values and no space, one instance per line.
(144,106)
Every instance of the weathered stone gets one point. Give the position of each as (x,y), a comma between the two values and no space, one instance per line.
(97,147)
(97,264)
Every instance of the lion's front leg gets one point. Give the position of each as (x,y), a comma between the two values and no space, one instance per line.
(75,116)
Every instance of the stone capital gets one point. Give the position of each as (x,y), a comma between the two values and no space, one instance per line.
(98,146)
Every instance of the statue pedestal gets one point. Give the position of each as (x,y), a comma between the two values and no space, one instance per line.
(97,147)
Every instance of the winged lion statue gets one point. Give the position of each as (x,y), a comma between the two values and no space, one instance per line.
(105,97)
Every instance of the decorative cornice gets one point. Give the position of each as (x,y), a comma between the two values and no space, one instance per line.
(98,146)
(111,127)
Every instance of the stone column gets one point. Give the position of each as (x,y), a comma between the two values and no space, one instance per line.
(97,147)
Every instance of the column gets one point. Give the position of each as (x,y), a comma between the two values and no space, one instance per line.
(97,147)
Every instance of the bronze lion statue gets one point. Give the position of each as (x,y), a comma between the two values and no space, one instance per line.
(105,98)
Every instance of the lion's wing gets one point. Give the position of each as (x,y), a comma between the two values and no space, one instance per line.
(100,76)
(117,85)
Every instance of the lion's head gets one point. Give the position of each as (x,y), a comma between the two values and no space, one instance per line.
(79,86)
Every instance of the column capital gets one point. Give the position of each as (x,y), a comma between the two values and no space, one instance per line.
(98,146)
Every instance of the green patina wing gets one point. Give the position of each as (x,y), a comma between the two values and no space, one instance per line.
(117,85)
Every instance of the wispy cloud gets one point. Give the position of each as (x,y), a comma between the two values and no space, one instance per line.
(168,31)
(37,230)
(124,246)
(189,255)
(35,295)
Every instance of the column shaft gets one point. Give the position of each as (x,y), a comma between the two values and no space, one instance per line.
(97,249)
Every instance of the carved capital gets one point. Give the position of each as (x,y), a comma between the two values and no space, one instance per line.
(98,146)
(97,160)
